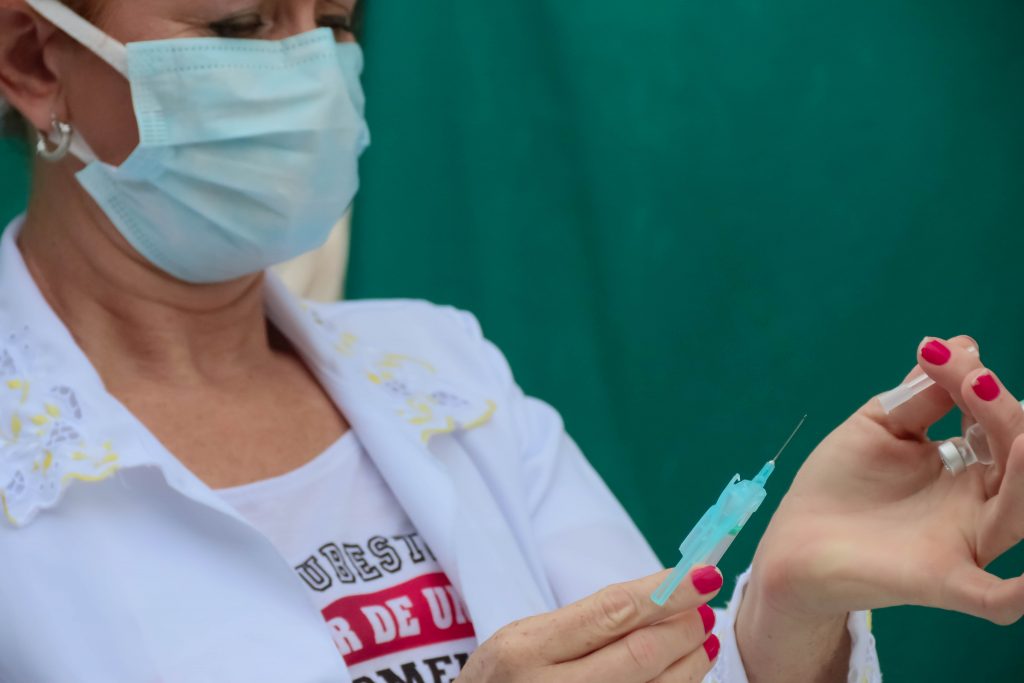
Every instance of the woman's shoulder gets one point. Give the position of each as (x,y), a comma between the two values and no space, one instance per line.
(400,317)
(442,337)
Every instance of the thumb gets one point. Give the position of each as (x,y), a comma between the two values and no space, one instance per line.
(974,591)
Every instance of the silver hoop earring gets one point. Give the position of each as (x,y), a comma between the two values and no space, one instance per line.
(64,134)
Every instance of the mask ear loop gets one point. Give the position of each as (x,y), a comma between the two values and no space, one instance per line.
(111,51)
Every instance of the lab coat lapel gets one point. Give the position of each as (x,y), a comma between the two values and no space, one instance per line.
(420,483)
(426,464)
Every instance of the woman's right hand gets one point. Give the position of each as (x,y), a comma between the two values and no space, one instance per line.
(617,635)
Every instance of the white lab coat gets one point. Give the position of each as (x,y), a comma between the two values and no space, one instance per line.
(119,565)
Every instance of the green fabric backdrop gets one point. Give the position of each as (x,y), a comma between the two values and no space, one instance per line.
(13,180)
(688,223)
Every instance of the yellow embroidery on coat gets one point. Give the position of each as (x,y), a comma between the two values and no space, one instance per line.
(48,451)
(346,345)
(425,407)
(422,412)
(88,478)
(7,513)
(492,407)
(397,360)
(447,429)
(19,384)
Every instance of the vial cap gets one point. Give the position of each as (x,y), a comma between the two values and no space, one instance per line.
(952,457)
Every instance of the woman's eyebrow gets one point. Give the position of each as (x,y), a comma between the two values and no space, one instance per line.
(204,14)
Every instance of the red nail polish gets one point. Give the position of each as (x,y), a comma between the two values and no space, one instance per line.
(707,580)
(712,646)
(935,352)
(707,615)
(986,387)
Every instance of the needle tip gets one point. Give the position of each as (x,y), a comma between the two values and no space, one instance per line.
(791,436)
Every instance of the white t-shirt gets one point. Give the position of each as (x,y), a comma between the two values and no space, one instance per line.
(392,612)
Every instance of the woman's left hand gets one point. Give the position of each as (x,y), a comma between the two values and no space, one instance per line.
(873,519)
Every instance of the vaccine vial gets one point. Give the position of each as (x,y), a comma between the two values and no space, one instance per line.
(960,453)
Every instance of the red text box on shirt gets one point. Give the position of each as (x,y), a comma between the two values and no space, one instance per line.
(423,611)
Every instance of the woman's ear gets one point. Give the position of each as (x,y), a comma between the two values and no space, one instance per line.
(26,80)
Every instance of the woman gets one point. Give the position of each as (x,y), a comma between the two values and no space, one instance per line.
(207,480)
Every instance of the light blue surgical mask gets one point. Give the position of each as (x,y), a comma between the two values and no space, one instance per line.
(248,149)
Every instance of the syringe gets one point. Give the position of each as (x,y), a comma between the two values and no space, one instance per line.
(721,524)
(894,398)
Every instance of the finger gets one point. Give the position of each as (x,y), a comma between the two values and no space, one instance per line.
(914,417)
(613,612)
(1002,525)
(995,409)
(948,362)
(642,655)
(694,667)
(976,592)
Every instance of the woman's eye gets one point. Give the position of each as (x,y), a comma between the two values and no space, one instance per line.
(244,26)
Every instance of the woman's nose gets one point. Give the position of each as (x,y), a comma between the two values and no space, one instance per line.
(294,24)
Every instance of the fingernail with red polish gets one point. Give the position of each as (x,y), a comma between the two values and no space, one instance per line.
(707,615)
(707,580)
(986,387)
(712,646)
(935,352)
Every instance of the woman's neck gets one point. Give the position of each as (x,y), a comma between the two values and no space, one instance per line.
(131,319)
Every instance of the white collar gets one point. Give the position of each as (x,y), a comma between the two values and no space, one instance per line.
(58,424)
